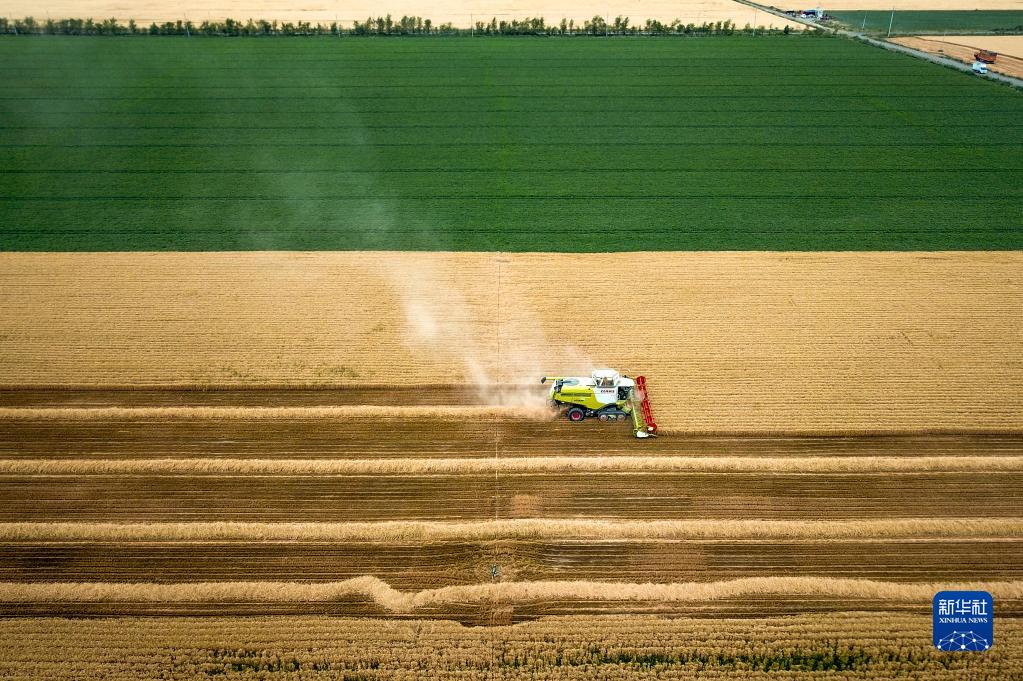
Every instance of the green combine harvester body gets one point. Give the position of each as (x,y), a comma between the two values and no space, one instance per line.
(605,395)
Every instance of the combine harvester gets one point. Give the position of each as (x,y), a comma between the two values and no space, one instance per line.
(606,395)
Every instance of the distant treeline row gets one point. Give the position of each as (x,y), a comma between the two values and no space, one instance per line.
(378,26)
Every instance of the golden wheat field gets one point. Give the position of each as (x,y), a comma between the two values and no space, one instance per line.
(460,14)
(331,465)
(1004,45)
(925,5)
(732,342)
(848,646)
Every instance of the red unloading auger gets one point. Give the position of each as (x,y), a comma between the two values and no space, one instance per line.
(644,406)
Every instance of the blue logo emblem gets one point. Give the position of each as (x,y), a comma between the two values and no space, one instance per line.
(964,620)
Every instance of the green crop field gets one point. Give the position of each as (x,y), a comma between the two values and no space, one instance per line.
(948,21)
(582,144)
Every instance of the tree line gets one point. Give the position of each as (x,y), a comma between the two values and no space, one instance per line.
(378,26)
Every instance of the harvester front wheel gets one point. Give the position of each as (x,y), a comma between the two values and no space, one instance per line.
(575,414)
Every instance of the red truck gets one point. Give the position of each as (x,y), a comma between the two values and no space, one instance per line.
(986,56)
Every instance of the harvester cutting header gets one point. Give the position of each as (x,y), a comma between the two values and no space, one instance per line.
(606,395)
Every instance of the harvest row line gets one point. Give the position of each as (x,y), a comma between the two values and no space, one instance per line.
(381,594)
(527,529)
(514,465)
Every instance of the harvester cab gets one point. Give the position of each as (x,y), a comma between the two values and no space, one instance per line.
(606,395)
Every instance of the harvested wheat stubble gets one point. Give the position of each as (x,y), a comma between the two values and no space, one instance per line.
(871,645)
(390,599)
(389,437)
(755,343)
(288,438)
(412,565)
(545,528)
(481,496)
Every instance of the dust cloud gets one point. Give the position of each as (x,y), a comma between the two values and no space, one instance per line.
(502,347)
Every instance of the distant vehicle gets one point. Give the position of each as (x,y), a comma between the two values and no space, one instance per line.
(979,67)
(986,56)
(816,14)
